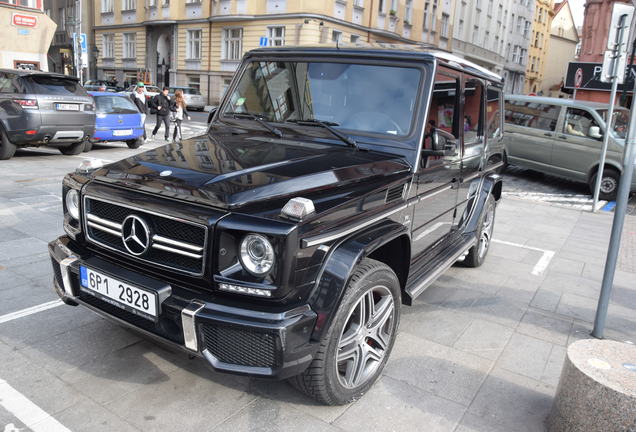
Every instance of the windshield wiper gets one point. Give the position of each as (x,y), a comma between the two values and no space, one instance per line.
(260,119)
(327,125)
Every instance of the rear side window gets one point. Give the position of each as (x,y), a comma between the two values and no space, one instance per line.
(494,103)
(533,115)
(10,83)
(54,86)
(114,105)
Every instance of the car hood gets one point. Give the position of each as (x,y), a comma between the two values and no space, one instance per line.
(233,171)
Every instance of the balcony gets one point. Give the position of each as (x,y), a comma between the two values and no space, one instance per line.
(477,53)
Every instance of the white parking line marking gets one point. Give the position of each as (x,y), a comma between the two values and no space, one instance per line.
(34,417)
(29,311)
(543,262)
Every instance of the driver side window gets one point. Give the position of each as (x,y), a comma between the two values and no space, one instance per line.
(578,122)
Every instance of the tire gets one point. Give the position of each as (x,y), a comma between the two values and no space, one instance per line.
(333,377)
(135,144)
(609,184)
(88,146)
(477,254)
(7,149)
(73,149)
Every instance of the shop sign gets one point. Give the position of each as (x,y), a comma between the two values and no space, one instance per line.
(24,20)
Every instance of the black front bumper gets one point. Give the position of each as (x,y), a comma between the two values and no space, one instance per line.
(231,339)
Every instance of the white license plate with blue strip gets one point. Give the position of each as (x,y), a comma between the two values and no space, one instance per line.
(136,300)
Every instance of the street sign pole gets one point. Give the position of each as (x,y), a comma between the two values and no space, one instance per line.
(617,226)
(610,111)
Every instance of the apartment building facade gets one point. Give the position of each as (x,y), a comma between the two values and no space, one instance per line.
(564,39)
(539,45)
(199,43)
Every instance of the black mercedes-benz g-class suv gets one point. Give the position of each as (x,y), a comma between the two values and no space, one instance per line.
(333,186)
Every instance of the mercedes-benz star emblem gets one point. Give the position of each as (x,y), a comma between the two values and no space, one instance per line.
(136,235)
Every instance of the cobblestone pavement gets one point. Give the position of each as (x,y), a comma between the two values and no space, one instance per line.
(480,350)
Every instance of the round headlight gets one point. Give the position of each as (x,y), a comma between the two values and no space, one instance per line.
(72,203)
(257,254)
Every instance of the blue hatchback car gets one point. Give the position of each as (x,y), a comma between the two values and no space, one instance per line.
(118,119)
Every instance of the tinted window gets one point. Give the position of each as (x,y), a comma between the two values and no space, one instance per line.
(54,86)
(621,120)
(9,83)
(114,105)
(494,103)
(473,110)
(443,112)
(531,114)
(366,98)
(578,122)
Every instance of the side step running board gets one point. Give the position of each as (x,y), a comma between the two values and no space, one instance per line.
(437,267)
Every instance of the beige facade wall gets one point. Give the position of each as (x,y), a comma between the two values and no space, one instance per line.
(24,44)
(539,45)
(563,41)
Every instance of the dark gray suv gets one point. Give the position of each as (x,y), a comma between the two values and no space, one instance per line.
(42,108)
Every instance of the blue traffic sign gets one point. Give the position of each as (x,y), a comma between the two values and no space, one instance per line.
(83,43)
(263,41)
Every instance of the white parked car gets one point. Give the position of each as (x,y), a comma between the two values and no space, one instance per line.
(151,91)
(193,98)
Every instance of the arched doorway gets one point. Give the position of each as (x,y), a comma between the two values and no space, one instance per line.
(163,59)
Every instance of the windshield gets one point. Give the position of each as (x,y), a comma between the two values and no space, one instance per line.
(55,86)
(114,105)
(364,98)
(621,120)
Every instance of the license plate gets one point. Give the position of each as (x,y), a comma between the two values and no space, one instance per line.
(66,107)
(122,132)
(119,293)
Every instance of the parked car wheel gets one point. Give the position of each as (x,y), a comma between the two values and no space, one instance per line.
(359,340)
(609,184)
(136,143)
(477,253)
(88,146)
(73,149)
(7,149)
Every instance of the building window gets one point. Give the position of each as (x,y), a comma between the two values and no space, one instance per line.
(526,29)
(499,13)
(519,25)
(478,4)
(354,38)
(491,5)
(152,3)
(128,5)
(475,34)
(536,39)
(130,46)
(193,81)
(276,36)
(486,39)
(444,28)
(433,17)
(394,6)
(381,6)
(193,44)
(108,46)
(425,24)
(515,54)
(107,6)
(61,14)
(232,43)
(460,29)
(358,3)
(408,11)
(522,56)
(335,36)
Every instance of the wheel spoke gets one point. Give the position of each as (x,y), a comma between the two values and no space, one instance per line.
(368,304)
(359,367)
(383,310)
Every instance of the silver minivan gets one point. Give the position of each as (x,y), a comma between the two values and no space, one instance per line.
(564,137)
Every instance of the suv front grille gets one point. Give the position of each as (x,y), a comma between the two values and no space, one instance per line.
(176,244)
(241,345)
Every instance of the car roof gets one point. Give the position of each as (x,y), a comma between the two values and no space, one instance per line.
(382,50)
(557,101)
(100,93)
(24,72)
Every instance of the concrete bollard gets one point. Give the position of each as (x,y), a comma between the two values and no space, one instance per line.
(597,389)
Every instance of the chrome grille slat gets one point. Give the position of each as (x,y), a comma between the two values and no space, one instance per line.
(105,229)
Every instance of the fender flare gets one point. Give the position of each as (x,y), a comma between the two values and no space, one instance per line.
(337,269)
(491,184)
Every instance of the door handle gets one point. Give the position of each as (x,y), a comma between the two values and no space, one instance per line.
(547,134)
(563,137)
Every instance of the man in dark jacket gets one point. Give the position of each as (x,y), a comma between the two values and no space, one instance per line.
(138,97)
(161,105)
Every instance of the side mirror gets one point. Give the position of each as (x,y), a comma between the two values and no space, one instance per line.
(211,115)
(444,144)
(595,132)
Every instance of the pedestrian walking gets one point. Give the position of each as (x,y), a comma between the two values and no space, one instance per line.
(139,99)
(179,109)
(161,106)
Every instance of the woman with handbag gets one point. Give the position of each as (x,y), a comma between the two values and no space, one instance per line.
(179,111)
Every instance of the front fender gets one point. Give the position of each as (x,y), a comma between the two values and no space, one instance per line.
(339,265)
